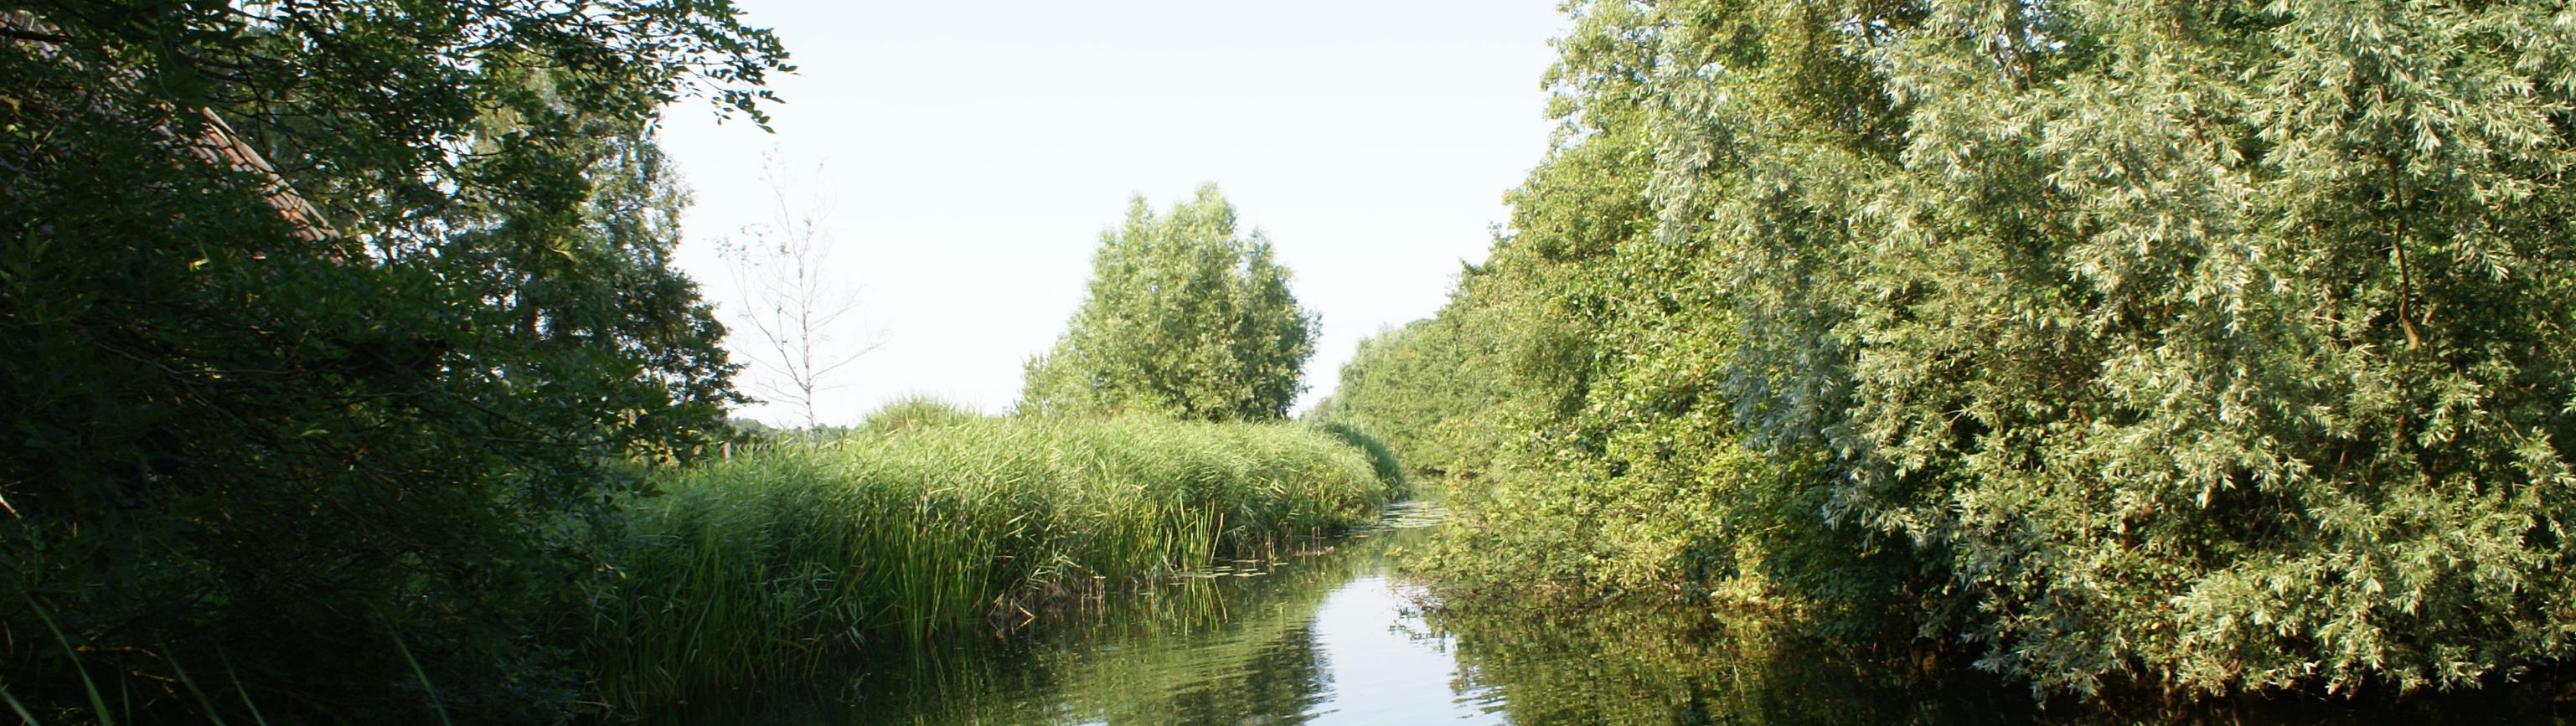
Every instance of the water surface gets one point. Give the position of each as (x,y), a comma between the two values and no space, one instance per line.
(1327,636)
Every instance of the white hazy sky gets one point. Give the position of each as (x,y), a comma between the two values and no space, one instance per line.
(971,155)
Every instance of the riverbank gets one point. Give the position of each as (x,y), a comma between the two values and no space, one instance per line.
(1333,634)
(1310,634)
(923,521)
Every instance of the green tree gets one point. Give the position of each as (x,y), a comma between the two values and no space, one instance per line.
(2199,346)
(1413,383)
(2212,346)
(349,462)
(1579,377)
(1184,317)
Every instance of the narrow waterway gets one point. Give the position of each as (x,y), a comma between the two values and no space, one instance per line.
(1327,636)
(1321,635)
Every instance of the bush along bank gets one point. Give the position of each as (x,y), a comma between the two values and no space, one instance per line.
(771,561)
(2097,353)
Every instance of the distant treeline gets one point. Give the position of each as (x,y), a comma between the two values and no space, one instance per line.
(2196,347)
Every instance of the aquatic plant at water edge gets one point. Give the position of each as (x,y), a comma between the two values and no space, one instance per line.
(776,558)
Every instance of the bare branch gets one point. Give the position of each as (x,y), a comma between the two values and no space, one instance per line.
(792,300)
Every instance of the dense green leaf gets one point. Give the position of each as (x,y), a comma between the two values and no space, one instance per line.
(303,427)
(1184,317)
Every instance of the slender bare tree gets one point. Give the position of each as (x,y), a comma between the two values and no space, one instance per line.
(791,298)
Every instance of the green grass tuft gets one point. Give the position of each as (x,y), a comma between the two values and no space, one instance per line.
(915,412)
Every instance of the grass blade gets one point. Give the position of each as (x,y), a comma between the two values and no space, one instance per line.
(191,685)
(20,708)
(416,671)
(239,689)
(97,701)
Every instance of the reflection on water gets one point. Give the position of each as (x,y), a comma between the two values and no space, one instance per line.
(1327,638)
(1319,637)
(1649,666)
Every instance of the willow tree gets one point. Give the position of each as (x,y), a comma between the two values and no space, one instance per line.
(2215,345)
(1184,317)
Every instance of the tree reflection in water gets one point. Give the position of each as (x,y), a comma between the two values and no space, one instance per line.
(1661,666)
(1323,638)
(1234,645)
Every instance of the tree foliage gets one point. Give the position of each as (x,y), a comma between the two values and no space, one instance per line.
(1184,317)
(2203,346)
(2209,343)
(1417,383)
(354,469)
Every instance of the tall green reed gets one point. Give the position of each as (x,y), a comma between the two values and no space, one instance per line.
(771,561)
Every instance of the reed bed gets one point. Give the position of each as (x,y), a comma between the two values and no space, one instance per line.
(768,562)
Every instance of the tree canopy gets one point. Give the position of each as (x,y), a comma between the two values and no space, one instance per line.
(2201,346)
(332,460)
(1183,317)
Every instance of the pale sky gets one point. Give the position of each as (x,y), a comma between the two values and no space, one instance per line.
(972,154)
